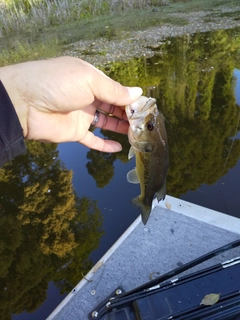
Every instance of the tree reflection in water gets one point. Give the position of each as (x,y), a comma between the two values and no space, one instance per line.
(192,79)
(46,231)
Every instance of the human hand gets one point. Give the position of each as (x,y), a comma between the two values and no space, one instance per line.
(56,100)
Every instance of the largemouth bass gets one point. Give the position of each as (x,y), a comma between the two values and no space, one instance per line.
(148,139)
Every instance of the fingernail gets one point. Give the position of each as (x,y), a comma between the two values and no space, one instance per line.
(117,147)
(135,92)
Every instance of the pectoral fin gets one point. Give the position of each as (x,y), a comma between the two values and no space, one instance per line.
(132,176)
(146,210)
(162,192)
(131,153)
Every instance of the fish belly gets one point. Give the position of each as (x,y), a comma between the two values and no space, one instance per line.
(151,172)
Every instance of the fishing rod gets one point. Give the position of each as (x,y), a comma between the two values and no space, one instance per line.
(123,298)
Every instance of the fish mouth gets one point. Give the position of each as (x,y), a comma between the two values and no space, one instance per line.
(137,109)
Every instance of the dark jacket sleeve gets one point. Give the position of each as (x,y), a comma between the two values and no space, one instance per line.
(11,133)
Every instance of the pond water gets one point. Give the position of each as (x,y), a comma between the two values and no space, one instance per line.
(62,206)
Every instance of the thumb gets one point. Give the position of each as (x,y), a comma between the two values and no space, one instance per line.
(107,90)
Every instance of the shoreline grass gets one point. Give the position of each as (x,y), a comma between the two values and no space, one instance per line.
(22,15)
(34,15)
(41,29)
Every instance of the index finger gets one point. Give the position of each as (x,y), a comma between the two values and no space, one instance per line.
(110,122)
(97,143)
(110,109)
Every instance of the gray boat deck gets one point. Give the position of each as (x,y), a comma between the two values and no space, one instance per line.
(176,233)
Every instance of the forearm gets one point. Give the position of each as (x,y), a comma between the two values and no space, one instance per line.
(11,132)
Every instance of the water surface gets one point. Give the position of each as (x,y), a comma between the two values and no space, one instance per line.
(62,206)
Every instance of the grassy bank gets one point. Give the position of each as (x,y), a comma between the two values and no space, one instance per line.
(30,15)
(40,28)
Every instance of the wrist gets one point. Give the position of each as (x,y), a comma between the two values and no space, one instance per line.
(11,133)
(8,77)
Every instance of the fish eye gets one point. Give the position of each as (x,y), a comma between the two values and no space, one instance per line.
(150,126)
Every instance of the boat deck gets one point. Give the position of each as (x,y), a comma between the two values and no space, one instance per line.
(176,233)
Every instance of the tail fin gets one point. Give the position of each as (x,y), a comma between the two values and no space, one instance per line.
(146,210)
